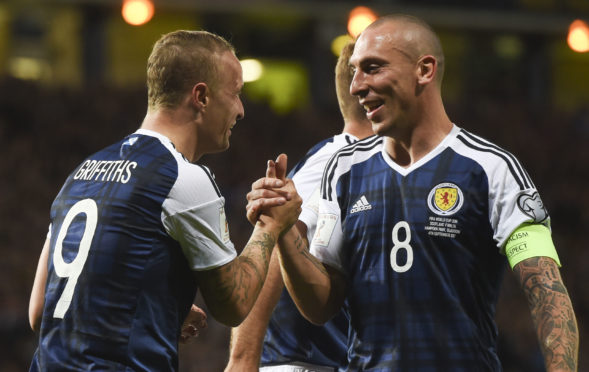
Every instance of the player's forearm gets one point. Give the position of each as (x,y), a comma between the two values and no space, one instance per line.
(241,280)
(244,353)
(37,299)
(248,337)
(552,312)
(231,291)
(306,278)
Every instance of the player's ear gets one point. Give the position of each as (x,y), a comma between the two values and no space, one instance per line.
(426,69)
(200,95)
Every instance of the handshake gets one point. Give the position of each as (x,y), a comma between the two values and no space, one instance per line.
(273,200)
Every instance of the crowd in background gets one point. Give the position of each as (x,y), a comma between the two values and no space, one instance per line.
(45,132)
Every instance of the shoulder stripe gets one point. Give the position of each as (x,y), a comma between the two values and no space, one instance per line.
(329,172)
(211,178)
(522,171)
(513,164)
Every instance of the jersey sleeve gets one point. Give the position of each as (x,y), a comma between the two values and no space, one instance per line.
(327,241)
(307,181)
(194,215)
(513,201)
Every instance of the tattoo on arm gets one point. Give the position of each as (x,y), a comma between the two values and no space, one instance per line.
(247,271)
(302,248)
(551,310)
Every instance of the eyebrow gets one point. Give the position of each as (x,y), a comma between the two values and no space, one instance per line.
(372,58)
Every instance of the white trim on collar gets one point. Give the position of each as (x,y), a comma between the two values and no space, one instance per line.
(430,155)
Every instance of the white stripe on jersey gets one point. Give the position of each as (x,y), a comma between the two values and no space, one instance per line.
(478,143)
(342,161)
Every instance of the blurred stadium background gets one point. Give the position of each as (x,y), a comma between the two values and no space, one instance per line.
(72,81)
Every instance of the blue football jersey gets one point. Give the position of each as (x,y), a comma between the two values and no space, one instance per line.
(128,228)
(289,336)
(422,250)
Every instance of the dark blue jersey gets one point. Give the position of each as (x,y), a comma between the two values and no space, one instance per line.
(421,249)
(127,230)
(290,337)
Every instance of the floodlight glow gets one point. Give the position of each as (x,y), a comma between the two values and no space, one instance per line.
(360,18)
(252,69)
(137,12)
(338,44)
(578,37)
(27,68)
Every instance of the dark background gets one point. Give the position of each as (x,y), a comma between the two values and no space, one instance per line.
(510,78)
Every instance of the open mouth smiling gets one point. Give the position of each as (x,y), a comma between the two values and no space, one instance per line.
(371,107)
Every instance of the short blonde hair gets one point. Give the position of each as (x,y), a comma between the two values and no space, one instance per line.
(178,61)
(348,104)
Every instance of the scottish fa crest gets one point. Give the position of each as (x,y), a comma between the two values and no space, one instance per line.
(445,199)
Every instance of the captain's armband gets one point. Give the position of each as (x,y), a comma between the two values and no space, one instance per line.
(530,240)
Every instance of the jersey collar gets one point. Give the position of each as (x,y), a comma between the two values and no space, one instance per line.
(151,133)
(432,154)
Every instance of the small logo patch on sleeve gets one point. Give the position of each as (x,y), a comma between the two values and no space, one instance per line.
(325,226)
(532,206)
(223,226)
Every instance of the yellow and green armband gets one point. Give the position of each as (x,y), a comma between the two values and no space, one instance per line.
(530,240)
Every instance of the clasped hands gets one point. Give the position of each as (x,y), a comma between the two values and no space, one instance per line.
(274,199)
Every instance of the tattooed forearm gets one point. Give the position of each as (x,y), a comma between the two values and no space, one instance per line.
(552,312)
(265,243)
(248,271)
(311,285)
(303,249)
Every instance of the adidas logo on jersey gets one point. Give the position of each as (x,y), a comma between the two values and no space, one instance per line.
(361,205)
